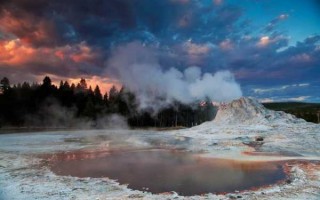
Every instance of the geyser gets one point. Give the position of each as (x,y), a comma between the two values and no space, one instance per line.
(159,171)
(156,86)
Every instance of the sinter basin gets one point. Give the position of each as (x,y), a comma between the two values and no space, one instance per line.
(160,171)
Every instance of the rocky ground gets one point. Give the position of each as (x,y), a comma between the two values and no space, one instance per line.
(242,130)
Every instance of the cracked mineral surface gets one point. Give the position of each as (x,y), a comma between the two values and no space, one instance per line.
(242,131)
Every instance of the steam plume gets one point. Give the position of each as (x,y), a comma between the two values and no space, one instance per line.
(138,68)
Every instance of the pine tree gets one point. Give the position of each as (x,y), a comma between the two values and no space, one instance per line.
(83,84)
(113,94)
(4,84)
(73,87)
(113,99)
(66,85)
(46,82)
(61,85)
(97,94)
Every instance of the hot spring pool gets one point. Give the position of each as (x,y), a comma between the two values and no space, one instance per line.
(159,171)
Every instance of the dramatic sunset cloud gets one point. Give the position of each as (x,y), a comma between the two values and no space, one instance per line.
(262,47)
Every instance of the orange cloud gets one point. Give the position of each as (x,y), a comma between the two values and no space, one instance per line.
(264,41)
(16,52)
(11,24)
(83,54)
(29,29)
(196,52)
(196,49)
(226,45)
(59,54)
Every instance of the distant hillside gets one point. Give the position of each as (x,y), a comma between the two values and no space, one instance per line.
(307,111)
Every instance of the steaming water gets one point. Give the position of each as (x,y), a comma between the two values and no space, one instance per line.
(160,171)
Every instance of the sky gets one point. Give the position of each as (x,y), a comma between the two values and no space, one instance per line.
(271,47)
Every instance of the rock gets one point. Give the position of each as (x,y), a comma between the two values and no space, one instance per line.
(232,197)
(254,144)
(133,196)
(213,144)
(259,138)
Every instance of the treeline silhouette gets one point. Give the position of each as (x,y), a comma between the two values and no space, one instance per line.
(25,102)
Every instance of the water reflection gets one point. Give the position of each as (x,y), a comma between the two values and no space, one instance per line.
(163,171)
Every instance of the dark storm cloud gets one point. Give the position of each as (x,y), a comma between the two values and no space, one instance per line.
(34,23)
(105,24)
(98,22)
(74,38)
(291,64)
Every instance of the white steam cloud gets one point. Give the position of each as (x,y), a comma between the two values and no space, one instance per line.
(138,69)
